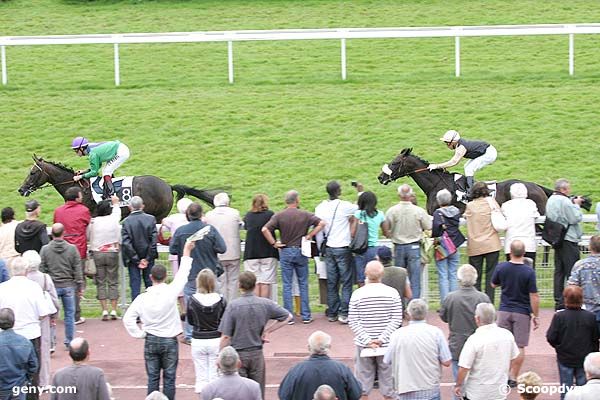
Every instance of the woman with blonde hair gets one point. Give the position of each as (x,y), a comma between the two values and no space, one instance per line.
(259,256)
(204,312)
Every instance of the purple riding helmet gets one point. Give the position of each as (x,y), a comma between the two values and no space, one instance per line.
(79,142)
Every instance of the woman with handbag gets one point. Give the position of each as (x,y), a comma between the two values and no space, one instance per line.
(448,239)
(34,260)
(104,234)
(367,214)
(483,241)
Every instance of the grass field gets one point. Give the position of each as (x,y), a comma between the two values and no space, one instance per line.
(289,121)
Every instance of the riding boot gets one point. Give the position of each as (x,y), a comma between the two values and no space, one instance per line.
(470,181)
(108,189)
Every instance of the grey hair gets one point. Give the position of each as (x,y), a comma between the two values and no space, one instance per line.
(467,275)
(319,342)
(228,360)
(33,260)
(19,266)
(291,197)
(443,197)
(486,313)
(417,309)
(182,206)
(518,191)
(136,203)
(591,365)
(7,318)
(156,395)
(561,183)
(324,392)
(221,199)
(405,191)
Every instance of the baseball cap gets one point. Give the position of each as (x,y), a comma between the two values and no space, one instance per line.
(31,205)
(384,253)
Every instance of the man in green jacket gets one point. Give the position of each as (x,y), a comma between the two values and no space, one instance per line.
(112,153)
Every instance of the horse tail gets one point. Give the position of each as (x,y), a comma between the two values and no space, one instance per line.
(546,190)
(206,195)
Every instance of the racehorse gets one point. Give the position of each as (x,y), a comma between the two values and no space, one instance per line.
(430,182)
(157,194)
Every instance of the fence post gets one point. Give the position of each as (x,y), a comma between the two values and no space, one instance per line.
(457,56)
(230,60)
(117,67)
(4,73)
(571,54)
(344,59)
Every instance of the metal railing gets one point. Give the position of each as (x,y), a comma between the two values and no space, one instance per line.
(342,34)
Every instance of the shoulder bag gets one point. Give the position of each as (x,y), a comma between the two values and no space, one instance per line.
(444,246)
(360,241)
(554,233)
(498,219)
(323,248)
(89,267)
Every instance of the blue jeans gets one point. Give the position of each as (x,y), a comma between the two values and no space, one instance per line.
(8,395)
(67,296)
(339,263)
(361,261)
(567,374)
(135,278)
(161,354)
(447,274)
(292,260)
(409,256)
(188,291)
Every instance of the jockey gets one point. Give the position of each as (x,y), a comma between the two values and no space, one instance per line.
(113,153)
(479,154)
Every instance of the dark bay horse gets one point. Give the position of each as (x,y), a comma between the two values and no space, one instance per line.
(430,182)
(157,194)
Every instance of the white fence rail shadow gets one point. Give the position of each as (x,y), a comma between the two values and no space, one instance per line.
(341,34)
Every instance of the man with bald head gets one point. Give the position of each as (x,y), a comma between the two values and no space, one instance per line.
(306,378)
(325,392)
(61,261)
(88,380)
(407,223)
(375,313)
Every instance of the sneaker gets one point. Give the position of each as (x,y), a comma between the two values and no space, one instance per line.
(291,322)
(104,315)
(343,319)
(512,383)
(52,350)
(81,320)
(332,319)
(307,321)
(113,315)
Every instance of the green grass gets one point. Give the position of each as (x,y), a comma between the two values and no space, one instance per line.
(289,121)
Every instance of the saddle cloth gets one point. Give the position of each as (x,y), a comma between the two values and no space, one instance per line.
(461,194)
(123,189)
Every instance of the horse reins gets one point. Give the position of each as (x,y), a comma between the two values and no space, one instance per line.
(416,171)
(48,184)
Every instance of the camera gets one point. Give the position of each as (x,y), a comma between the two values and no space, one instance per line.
(354,183)
(586,204)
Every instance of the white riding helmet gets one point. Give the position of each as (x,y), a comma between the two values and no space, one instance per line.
(450,136)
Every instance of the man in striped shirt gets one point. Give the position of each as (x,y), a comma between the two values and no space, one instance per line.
(375,313)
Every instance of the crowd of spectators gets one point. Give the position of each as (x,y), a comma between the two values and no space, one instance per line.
(227,315)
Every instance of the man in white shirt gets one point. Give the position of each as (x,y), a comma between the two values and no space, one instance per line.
(375,312)
(161,323)
(486,358)
(417,353)
(26,299)
(227,222)
(337,215)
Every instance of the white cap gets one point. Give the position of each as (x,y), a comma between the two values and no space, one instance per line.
(183,204)
(450,136)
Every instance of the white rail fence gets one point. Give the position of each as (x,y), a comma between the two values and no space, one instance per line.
(341,34)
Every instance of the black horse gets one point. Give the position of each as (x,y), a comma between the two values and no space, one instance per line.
(157,194)
(431,182)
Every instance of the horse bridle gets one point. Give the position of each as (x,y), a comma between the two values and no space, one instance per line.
(48,184)
(387,170)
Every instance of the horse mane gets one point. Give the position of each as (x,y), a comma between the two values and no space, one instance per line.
(59,165)
(408,152)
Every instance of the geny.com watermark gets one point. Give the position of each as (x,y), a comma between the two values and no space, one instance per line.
(17,390)
(550,390)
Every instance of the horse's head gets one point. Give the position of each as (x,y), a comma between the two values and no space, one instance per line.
(404,164)
(36,178)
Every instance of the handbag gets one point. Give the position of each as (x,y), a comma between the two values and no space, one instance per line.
(498,219)
(360,241)
(444,245)
(52,304)
(323,248)
(554,233)
(89,268)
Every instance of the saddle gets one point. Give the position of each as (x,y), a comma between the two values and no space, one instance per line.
(460,183)
(123,189)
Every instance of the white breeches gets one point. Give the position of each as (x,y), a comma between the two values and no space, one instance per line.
(120,158)
(476,164)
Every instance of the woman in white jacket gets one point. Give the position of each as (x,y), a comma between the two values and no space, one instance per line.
(520,213)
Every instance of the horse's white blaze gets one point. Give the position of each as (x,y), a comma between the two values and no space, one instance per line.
(386,170)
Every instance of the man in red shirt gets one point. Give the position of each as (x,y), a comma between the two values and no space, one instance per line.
(75,217)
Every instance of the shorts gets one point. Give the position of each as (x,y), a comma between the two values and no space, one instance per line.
(519,324)
(265,269)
